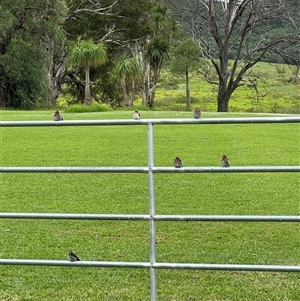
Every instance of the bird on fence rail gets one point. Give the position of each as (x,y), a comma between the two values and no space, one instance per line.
(225,161)
(57,116)
(136,115)
(197,113)
(73,257)
(177,162)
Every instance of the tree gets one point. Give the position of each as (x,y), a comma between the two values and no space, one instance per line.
(88,54)
(243,31)
(50,26)
(127,71)
(23,80)
(186,58)
(157,51)
(30,27)
(51,38)
(123,26)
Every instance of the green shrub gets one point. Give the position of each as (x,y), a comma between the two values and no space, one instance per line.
(88,108)
(139,107)
(294,109)
(275,107)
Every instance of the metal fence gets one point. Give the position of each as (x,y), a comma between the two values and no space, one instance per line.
(152,217)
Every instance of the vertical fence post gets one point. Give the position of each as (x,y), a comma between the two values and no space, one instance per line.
(151,211)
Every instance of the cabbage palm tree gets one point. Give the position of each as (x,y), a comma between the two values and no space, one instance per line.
(88,54)
(128,70)
(156,53)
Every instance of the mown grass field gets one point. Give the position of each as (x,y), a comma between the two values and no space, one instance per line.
(191,242)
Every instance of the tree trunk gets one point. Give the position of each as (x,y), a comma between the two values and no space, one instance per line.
(223,97)
(156,72)
(187,87)
(146,86)
(53,79)
(87,91)
(125,94)
(132,93)
(54,82)
(152,96)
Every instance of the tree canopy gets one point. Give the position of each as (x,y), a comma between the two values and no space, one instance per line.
(245,31)
(37,38)
(88,54)
(186,58)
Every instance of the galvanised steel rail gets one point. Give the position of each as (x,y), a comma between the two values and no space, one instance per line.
(295,119)
(153,169)
(147,265)
(152,218)
(141,217)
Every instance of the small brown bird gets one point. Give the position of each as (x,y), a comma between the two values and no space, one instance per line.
(225,161)
(57,116)
(73,257)
(177,162)
(197,113)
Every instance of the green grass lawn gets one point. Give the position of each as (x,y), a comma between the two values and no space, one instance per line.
(190,242)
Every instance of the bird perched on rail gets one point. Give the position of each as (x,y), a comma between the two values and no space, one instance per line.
(73,257)
(57,116)
(136,115)
(225,161)
(197,113)
(177,162)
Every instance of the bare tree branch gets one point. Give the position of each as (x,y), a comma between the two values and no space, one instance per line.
(226,29)
(93,8)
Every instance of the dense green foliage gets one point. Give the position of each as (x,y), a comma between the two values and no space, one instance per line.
(95,107)
(44,32)
(23,76)
(29,30)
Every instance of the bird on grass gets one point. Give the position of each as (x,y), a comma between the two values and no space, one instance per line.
(73,257)
(225,161)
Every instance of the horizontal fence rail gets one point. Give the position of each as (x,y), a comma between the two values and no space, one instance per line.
(140,217)
(253,120)
(147,169)
(147,265)
(151,217)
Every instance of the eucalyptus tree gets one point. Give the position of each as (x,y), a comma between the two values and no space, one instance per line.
(243,31)
(52,40)
(87,54)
